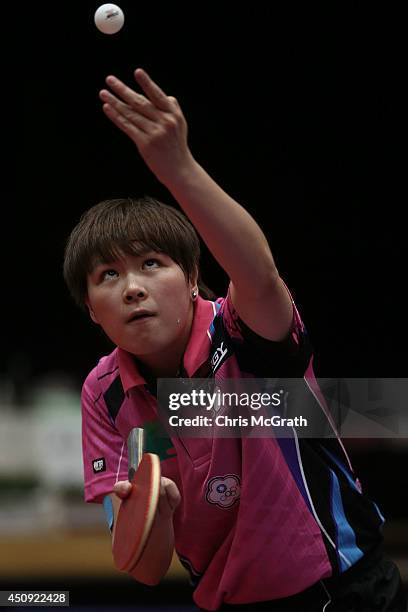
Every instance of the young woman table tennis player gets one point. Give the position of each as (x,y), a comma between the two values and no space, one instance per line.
(268,522)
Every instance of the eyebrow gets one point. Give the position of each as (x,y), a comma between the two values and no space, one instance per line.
(103,262)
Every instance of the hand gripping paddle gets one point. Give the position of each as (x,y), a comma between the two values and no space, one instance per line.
(137,511)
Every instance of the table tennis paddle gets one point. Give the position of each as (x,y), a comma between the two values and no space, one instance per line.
(137,511)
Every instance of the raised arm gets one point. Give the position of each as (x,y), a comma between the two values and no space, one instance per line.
(156,124)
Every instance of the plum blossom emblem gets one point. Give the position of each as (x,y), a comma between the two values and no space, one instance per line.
(223,491)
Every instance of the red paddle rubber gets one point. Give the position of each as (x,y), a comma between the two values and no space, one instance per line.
(136,514)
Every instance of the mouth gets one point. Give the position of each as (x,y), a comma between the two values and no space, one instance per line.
(141,315)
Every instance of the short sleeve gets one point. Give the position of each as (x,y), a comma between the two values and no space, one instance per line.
(288,358)
(103,448)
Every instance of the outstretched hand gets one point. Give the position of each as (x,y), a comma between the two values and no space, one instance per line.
(153,121)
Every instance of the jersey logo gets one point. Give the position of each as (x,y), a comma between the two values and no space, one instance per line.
(221,344)
(99,465)
(218,356)
(223,491)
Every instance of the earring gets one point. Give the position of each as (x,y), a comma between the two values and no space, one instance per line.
(194,294)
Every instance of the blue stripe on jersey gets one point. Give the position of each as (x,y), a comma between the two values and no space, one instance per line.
(342,468)
(350,479)
(108,507)
(288,449)
(346,539)
(217,308)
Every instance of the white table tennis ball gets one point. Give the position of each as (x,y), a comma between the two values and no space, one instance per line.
(109,18)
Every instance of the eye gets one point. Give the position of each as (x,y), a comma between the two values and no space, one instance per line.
(151,263)
(106,274)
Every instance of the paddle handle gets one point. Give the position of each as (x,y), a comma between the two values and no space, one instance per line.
(136,449)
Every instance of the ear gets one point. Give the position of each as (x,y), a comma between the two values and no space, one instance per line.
(91,312)
(194,279)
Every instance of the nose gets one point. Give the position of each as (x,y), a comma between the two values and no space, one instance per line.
(133,290)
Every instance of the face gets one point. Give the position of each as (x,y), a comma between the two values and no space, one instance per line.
(143,303)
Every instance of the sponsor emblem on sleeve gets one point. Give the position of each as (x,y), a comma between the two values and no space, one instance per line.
(99,465)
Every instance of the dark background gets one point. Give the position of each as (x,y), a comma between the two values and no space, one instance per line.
(299,114)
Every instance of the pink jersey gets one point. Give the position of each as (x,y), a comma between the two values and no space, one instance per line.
(259,518)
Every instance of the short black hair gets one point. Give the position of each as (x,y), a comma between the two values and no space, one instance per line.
(130,226)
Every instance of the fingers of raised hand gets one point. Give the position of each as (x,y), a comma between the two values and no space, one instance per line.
(174,102)
(153,91)
(132,109)
(124,113)
(134,100)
